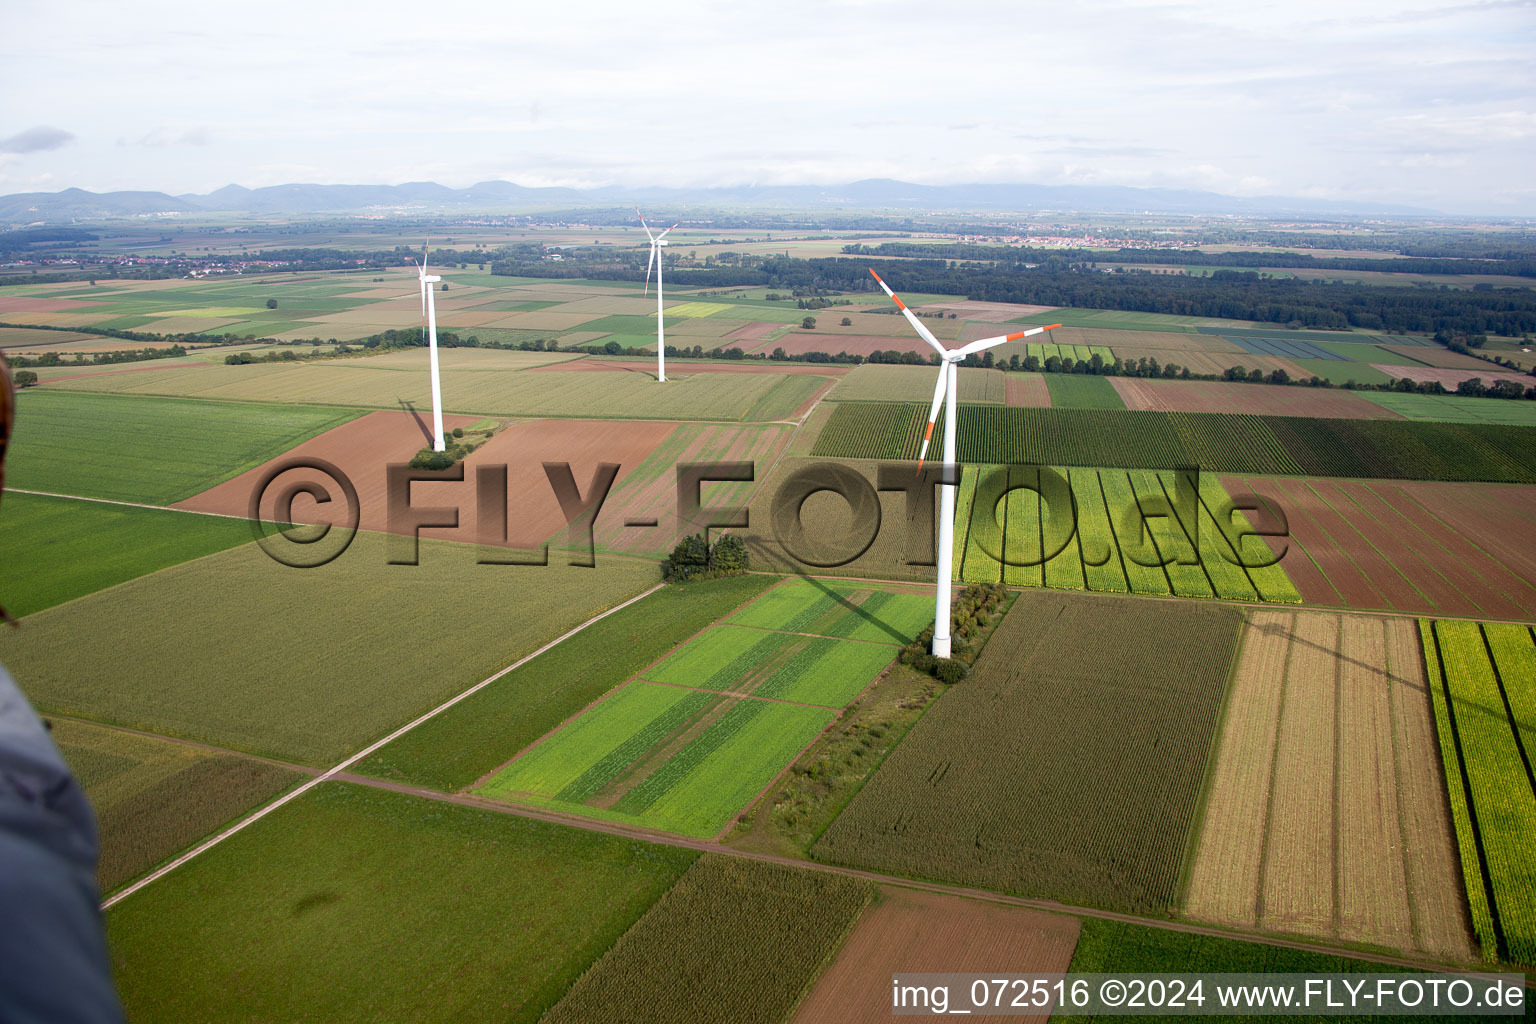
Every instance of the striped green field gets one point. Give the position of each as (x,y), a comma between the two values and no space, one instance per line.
(1088,534)
(1483,682)
(839,610)
(1043,350)
(663,757)
(1082,391)
(784,666)
(1455,408)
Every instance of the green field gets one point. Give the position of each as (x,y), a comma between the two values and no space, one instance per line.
(153,797)
(889,382)
(662,757)
(839,610)
(353,382)
(1455,408)
(356,904)
(58,549)
(151,450)
(1123,319)
(1082,391)
(1091,711)
(478,734)
(784,666)
(1117,947)
(735,941)
(1483,707)
(301,664)
(1218,442)
(1341,372)
(1043,350)
(1029,541)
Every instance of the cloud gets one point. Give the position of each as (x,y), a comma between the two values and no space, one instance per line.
(163,136)
(36,140)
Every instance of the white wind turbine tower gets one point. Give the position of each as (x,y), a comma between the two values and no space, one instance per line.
(945,392)
(429,310)
(657,241)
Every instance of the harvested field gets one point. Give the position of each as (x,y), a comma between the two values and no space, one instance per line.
(685,368)
(456,359)
(1160,341)
(1449,379)
(25,339)
(758,330)
(648,491)
(365,447)
(1452,549)
(797,343)
(153,797)
(885,382)
(1056,726)
(1260,399)
(541,320)
(986,312)
(1214,362)
(306,914)
(1027,390)
(911,931)
(734,941)
(1325,815)
(35,304)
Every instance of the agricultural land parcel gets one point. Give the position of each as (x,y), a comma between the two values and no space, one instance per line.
(1068,765)
(353,903)
(723,714)
(1483,681)
(735,941)
(286,688)
(1453,549)
(1225,443)
(1325,814)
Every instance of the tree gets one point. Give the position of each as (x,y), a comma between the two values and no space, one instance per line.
(271,303)
(24,378)
(809,323)
(847,322)
(444,286)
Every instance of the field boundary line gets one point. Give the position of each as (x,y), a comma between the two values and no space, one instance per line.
(129,504)
(262,812)
(658,837)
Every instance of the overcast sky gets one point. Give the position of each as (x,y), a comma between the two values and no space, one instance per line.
(1423,102)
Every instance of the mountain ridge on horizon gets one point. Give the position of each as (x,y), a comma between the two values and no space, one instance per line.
(870,194)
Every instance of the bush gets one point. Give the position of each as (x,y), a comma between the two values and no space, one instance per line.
(426,459)
(458,431)
(24,378)
(271,303)
(948,670)
(695,558)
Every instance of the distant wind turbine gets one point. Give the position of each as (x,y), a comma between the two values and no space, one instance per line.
(429,310)
(945,392)
(657,241)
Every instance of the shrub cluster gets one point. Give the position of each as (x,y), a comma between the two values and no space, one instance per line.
(978,605)
(455,449)
(695,558)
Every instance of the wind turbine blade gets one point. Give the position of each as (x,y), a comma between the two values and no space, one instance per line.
(424,256)
(648,265)
(644,224)
(933,413)
(917,324)
(985,343)
(667,232)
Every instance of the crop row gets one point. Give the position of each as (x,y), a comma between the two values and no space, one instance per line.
(1067,766)
(1483,681)
(735,940)
(672,718)
(1220,442)
(646,793)
(1134,531)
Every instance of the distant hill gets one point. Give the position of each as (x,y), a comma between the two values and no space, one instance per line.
(502,196)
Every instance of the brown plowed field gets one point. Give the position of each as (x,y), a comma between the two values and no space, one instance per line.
(1027,389)
(1432,548)
(1326,815)
(363,448)
(800,342)
(1260,399)
(1211,362)
(912,931)
(28,304)
(1449,379)
(757,330)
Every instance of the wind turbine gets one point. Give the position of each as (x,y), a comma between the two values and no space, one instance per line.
(657,241)
(429,310)
(945,392)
